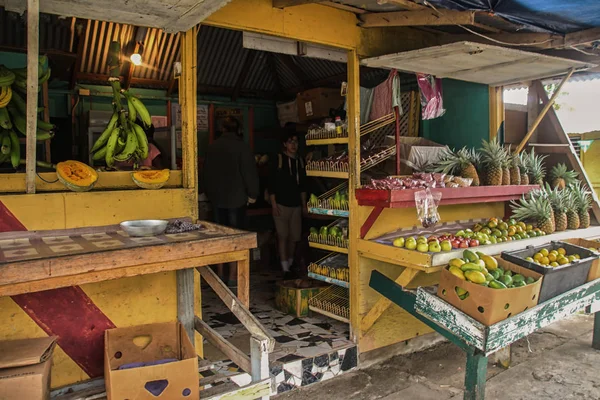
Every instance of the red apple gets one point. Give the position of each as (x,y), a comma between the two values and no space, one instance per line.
(463,245)
(455,243)
(431,238)
(473,242)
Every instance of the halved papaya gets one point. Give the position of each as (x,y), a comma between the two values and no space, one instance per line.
(151,179)
(76,176)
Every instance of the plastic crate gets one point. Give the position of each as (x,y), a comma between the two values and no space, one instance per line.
(557,280)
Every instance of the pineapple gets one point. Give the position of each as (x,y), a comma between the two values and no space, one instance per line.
(492,157)
(461,162)
(524,167)
(515,169)
(536,168)
(571,207)
(561,177)
(556,199)
(583,201)
(537,209)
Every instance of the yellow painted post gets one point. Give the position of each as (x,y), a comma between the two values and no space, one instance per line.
(496,110)
(187,102)
(354,153)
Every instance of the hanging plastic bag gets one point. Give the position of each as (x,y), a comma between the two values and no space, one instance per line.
(432,102)
(427,207)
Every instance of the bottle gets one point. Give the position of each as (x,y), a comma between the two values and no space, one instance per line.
(338,126)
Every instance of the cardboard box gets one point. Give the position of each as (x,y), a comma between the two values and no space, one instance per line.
(293,300)
(416,150)
(595,268)
(316,103)
(25,368)
(488,305)
(148,362)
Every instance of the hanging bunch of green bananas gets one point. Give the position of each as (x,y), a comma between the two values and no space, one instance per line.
(123,139)
(13,110)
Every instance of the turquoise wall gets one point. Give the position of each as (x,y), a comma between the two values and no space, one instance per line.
(466,121)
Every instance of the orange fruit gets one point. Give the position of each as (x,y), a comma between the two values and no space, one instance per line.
(544,252)
(561,251)
(544,261)
(552,257)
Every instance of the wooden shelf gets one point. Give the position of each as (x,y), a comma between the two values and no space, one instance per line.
(333,213)
(329,174)
(327,247)
(324,142)
(432,262)
(333,302)
(332,281)
(405,198)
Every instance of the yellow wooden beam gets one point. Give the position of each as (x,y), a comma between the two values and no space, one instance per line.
(292,3)
(187,102)
(496,110)
(417,18)
(353,102)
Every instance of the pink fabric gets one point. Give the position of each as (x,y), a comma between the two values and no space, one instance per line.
(382,98)
(153,152)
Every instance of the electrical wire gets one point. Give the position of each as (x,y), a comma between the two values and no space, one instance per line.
(487,37)
(583,51)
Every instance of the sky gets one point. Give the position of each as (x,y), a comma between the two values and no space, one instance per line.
(579,105)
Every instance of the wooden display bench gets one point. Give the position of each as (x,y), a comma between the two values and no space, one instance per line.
(479,341)
(61,258)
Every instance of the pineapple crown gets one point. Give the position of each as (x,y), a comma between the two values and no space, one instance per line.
(536,166)
(492,153)
(556,198)
(524,162)
(559,171)
(451,162)
(582,196)
(535,207)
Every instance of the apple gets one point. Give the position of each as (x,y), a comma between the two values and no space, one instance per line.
(460,233)
(432,238)
(455,243)
(423,247)
(473,242)
(421,239)
(435,247)
(463,245)
(446,245)
(410,243)
(399,242)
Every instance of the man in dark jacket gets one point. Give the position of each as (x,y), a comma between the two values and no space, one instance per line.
(230,180)
(287,190)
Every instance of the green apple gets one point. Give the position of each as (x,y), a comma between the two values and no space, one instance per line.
(410,243)
(421,239)
(399,242)
(493,239)
(423,247)
(446,245)
(460,233)
(434,246)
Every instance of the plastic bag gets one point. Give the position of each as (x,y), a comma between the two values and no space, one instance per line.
(432,103)
(427,207)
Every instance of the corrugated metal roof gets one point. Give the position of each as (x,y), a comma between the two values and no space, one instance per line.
(55,32)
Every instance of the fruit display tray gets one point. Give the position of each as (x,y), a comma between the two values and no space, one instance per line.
(488,305)
(557,280)
(339,168)
(381,248)
(333,302)
(405,198)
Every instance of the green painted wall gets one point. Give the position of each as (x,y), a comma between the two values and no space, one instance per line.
(466,121)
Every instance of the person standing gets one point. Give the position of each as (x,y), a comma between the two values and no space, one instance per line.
(230,182)
(287,192)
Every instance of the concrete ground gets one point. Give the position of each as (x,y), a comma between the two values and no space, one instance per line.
(554,363)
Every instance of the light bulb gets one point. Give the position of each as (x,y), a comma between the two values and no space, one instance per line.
(136,59)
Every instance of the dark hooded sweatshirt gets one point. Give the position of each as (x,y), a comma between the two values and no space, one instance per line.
(287,179)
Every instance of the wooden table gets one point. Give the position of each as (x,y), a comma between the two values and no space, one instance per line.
(479,341)
(41,260)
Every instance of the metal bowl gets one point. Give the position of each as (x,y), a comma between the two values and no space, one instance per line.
(144,227)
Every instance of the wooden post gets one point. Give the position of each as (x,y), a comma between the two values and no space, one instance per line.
(33,37)
(45,103)
(187,101)
(397,129)
(353,100)
(543,112)
(185,300)
(475,376)
(259,358)
(496,110)
(533,109)
(243,277)
(596,337)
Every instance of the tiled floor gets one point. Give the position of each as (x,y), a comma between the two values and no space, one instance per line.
(307,350)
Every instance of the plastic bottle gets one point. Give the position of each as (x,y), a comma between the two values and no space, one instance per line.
(338,126)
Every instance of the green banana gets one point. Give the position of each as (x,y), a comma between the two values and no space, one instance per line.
(131,108)
(5,143)
(45,126)
(43,135)
(142,141)
(15,149)
(141,109)
(100,154)
(7,77)
(120,145)
(21,125)
(110,147)
(44,77)
(130,147)
(103,139)
(19,102)
(5,121)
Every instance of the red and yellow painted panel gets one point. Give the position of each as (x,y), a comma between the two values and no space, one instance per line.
(79,315)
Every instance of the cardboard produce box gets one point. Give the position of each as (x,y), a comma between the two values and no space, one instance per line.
(488,305)
(25,368)
(586,244)
(148,362)
(316,103)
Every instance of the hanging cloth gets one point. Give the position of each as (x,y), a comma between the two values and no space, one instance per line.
(386,96)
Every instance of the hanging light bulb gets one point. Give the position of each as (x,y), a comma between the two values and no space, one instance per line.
(136,59)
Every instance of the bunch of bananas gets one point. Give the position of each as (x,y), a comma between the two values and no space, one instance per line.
(123,139)
(13,110)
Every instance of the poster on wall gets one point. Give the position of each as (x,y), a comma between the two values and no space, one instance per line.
(202,118)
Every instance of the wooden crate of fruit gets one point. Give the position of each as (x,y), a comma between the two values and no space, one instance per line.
(593,246)
(487,288)
(292,296)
